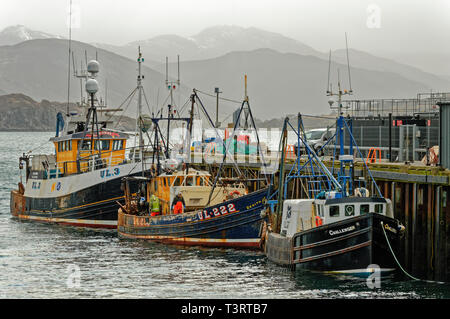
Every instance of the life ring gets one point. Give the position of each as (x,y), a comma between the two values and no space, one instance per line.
(361,192)
(318,221)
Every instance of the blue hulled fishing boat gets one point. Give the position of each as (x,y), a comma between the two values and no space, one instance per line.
(236,222)
(215,214)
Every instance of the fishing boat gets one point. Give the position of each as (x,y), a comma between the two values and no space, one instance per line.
(216,214)
(339,226)
(232,219)
(194,186)
(79,184)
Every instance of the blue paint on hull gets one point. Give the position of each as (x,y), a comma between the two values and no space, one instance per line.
(234,223)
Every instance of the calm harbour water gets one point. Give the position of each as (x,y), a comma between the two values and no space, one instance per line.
(42,261)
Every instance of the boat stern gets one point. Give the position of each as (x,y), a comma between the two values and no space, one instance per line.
(17,202)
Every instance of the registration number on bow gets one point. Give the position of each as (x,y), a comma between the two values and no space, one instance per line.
(217,211)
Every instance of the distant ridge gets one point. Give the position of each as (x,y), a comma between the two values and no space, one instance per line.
(19,33)
(21,113)
(285,81)
(212,42)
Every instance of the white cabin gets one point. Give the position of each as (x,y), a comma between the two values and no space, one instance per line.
(301,214)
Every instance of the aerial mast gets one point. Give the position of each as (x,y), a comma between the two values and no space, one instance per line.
(140,119)
(343,158)
(70,48)
(171,86)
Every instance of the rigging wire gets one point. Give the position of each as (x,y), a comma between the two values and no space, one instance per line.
(129,102)
(220,98)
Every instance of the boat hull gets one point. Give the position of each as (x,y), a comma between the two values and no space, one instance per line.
(234,223)
(353,246)
(94,206)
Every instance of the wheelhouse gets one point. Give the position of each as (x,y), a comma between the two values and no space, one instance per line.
(334,210)
(162,185)
(79,153)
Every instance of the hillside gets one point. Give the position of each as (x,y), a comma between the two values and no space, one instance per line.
(280,83)
(21,113)
(38,68)
(219,40)
(19,33)
(210,43)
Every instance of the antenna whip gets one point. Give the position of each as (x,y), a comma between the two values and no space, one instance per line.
(348,64)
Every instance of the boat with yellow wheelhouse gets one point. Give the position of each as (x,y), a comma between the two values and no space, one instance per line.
(218,212)
(194,187)
(79,183)
(233,217)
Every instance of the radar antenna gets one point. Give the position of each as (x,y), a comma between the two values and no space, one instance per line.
(340,92)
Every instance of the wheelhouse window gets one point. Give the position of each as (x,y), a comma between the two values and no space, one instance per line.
(319,210)
(102,145)
(86,145)
(177,181)
(364,209)
(190,181)
(334,210)
(64,146)
(379,208)
(117,145)
(349,210)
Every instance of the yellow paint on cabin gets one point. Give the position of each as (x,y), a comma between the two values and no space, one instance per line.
(112,152)
(160,186)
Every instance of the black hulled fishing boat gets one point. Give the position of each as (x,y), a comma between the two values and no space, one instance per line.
(79,185)
(336,227)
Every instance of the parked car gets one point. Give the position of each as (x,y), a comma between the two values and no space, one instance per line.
(316,138)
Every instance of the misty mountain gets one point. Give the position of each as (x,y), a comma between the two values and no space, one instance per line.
(219,40)
(39,69)
(364,60)
(209,43)
(281,83)
(19,33)
(288,82)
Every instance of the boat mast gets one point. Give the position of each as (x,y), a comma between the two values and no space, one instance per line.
(282,148)
(171,86)
(70,49)
(340,124)
(140,119)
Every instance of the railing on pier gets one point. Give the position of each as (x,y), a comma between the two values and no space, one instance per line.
(423,103)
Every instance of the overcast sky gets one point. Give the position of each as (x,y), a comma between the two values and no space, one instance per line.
(375,26)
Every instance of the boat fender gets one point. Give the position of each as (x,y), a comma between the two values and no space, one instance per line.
(59,123)
(318,221)
(21,189)
(401,229)
(263,213)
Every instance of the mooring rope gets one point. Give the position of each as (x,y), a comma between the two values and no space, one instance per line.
(399,265)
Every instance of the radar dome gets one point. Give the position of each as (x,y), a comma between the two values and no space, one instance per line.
(93,66)
(331,102)
(91,86)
